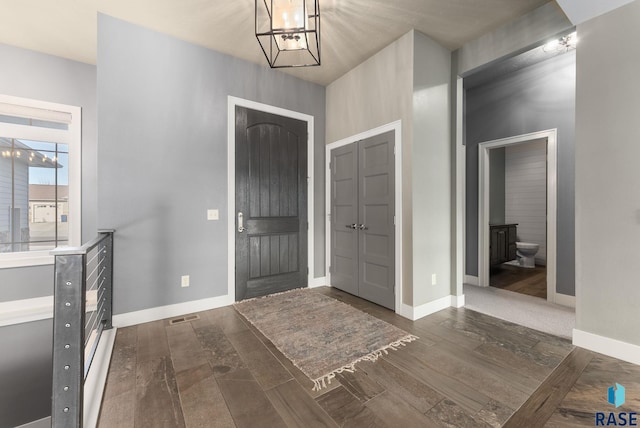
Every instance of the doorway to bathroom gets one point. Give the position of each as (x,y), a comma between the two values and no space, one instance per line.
(517,214)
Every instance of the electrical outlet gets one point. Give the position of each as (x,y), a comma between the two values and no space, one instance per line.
(184,281)
(433,279)
(212,215)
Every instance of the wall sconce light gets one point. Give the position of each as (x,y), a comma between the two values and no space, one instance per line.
(564,43)
(289,32)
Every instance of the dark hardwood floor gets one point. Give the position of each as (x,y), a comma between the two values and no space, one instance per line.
(467,369)
(531,281)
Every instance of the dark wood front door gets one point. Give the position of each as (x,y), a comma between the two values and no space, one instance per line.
(271,203)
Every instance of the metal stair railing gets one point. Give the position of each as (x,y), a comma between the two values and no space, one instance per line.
(83,290)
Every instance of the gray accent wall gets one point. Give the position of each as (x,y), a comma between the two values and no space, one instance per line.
(607,176)
(162,108)
(536,98)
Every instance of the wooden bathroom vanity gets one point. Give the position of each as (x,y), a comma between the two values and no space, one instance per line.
(502,243)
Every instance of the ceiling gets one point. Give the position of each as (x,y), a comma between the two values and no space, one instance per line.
(579,11)
(352,30)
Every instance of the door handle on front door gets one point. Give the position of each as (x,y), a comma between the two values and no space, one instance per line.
(241,227)
(362,227)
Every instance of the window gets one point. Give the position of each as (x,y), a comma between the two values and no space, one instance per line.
(39,180)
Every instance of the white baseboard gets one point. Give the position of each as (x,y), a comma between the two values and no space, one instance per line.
(26,310)
(565,300)
(406,311)
(457,301)
(97,378)
(169,311)
(607,346)
(318,282)
(472,280)
(417,312)
(40,423)
(178,309)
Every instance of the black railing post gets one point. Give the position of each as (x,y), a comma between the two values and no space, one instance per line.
(108,278)
(68,330)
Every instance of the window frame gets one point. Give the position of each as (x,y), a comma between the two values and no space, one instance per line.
(72,137)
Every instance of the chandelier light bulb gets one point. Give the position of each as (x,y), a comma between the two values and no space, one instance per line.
(288,32)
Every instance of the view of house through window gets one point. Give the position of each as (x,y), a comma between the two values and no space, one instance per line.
(34,195)
(40,175)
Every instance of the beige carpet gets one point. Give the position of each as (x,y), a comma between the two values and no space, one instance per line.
(529,311)
(320,335)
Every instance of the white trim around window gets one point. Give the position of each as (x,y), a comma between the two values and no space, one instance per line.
(72,137)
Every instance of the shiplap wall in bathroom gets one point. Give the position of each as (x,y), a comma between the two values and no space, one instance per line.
(526,193)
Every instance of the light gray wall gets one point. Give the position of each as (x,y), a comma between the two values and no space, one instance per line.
(607,175)
(535,98)
(25,372)
(30,74)
(496,186)
(25,360)
(377,92)
(374,93)
(431,170)
(26,283)
(409,80)
(162,157)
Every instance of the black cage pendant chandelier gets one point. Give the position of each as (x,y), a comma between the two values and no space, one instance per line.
(289,32)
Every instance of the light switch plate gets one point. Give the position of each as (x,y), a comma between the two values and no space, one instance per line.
(212,215)
(184,281)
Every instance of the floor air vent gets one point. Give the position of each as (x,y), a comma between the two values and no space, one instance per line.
(184,319)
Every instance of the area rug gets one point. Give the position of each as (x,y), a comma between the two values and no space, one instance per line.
(320,335)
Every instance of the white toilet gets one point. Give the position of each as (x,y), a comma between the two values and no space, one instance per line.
(526,252)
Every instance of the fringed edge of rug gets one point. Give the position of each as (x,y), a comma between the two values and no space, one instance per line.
(324,381)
